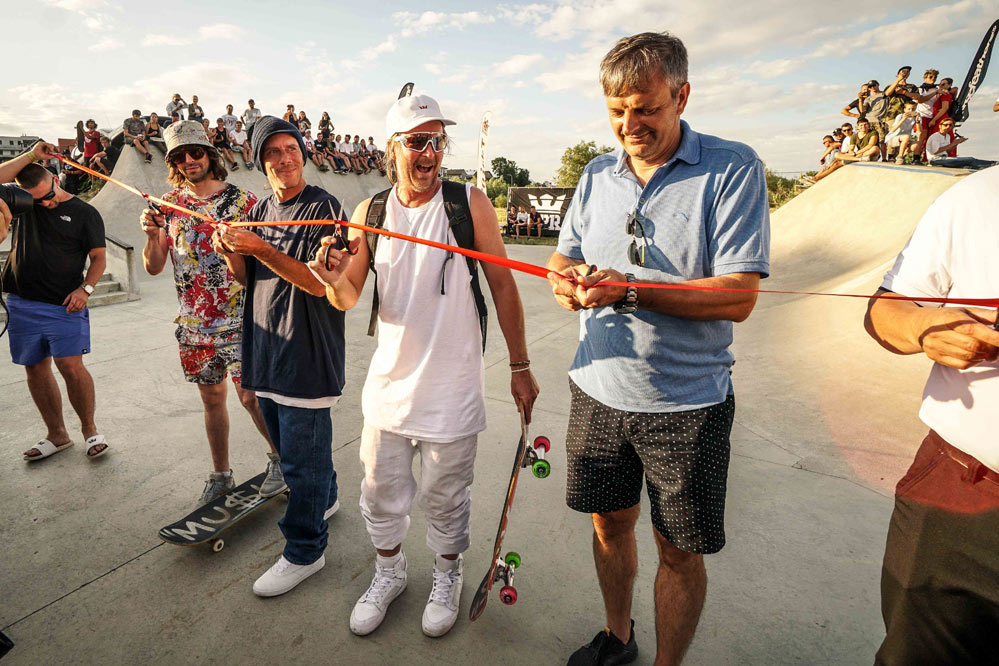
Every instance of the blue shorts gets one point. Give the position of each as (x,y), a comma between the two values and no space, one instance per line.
(39,330)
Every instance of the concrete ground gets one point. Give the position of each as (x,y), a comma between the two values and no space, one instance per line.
(825,423)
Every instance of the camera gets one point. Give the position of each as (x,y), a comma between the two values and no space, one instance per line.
(18,200)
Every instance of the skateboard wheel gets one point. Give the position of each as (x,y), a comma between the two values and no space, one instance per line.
(218,545)
(541,469)
(508,595)
(542,442)
(513,558)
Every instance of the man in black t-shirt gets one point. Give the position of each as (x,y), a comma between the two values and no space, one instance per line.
(293,344)
(47,295)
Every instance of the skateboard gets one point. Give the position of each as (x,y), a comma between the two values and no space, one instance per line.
(207,522)
(503,569)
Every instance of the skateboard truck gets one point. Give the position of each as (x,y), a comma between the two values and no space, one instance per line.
(505,568)
(534,457)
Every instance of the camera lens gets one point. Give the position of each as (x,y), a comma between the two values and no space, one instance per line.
(19,201)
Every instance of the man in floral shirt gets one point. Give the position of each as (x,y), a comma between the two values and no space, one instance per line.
(209,321)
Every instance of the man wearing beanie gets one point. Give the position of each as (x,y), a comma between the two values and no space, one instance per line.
(425,386)
(210,315)
(293,344)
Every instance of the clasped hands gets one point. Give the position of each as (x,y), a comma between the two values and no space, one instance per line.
(578,287)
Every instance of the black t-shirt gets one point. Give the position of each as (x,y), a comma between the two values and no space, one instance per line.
(293,342)
(49,250)
(111,155)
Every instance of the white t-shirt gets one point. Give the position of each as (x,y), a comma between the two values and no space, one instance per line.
(523,217)
(237,138)
(230,122)
(426,379)
(847,144)
(250,116)
(309,145)
(925,109)
(346,148)
(934,143)
(905,127)
(950,256)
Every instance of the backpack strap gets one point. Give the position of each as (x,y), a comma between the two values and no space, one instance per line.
(459,216)
(375,218)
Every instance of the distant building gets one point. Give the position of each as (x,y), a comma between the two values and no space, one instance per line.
(464,174)
(66,144)
(12,146)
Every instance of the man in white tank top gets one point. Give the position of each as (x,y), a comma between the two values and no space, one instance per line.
(426,382)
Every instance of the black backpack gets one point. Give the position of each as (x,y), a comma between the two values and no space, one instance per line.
(459,217)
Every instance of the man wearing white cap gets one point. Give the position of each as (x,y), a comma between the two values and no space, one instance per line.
(210,316)
(425,386)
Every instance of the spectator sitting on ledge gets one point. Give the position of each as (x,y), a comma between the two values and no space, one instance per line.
(943,142)
(135,134)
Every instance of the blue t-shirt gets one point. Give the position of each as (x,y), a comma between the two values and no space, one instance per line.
(293,342)
(705,214)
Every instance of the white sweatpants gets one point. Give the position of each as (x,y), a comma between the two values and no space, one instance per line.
(388,489)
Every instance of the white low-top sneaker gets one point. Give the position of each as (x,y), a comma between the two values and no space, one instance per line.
(370,609)
(284,575)
(442,607)
(330,511)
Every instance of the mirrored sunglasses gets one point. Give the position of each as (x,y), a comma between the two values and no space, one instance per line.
(417,141)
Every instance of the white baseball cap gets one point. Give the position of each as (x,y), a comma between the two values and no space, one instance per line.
(412,111)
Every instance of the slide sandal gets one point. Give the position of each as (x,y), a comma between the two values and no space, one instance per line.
(46,449)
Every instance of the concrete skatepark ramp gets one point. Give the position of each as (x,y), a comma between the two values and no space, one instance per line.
(825,424)
(121,208)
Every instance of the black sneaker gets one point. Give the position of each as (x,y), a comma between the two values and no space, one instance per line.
(606,649)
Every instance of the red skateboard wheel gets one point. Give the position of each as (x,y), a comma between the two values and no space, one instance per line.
(508,595)
(542,442)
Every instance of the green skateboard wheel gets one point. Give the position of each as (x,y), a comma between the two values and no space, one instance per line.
(541,469)
(513,558)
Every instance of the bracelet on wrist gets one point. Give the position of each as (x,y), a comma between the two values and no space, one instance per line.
(526,368)
(515,364)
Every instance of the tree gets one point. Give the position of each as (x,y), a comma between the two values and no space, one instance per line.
(574,159)
(496,187)
(509,171)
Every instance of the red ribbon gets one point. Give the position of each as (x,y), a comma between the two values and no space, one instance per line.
(521,266)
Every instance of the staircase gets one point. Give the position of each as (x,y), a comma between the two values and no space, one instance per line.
(107,291)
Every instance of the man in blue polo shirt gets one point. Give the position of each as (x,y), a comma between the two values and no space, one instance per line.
(651,389)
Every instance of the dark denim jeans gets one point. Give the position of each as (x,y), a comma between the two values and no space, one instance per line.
(304,440)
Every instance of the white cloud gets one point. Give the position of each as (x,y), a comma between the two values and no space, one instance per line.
(410,23)
(944,24)
(516,64)
(220,31)
(106,44)
(164,40)
(433,69)
(90,10)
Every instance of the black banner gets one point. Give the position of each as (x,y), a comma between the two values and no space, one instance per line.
(959,109)
(550,202)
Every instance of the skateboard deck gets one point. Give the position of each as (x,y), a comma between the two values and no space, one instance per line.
(207,522)
(503,569)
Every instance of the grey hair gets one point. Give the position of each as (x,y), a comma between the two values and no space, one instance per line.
(636,61)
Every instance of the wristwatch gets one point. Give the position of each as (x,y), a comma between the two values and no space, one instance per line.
(87,288)
(629,303)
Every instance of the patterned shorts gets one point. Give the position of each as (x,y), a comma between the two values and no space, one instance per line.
(206,358)
(682,455)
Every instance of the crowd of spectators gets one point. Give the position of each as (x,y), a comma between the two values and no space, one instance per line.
(230,135)
(519,219)
(904,123)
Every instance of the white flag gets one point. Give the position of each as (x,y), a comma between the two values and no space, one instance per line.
(480,177)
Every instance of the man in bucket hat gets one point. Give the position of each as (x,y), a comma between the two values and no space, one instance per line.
(209,320)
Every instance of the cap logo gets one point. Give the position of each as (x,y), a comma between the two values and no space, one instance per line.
(423,106)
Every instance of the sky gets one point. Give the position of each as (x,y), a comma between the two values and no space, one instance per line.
(773,75)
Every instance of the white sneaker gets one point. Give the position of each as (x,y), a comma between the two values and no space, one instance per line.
(330,511)
(284,575)
(370,609)
(442,607)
